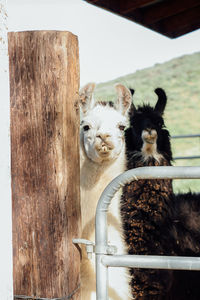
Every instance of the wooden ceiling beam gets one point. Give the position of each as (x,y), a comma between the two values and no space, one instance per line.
(181,20)
(111,5)
(185,30)
(130,5)
(92,1)
(177,22)
(171,18)
(164,10)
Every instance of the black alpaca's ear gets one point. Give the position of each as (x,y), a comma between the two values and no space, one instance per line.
(132,107)
(132,110)
(132,91)
(162,101)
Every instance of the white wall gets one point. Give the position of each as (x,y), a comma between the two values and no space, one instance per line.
(6,285)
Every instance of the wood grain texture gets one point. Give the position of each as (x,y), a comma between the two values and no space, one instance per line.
(170,18)
(130,5)
(161,11)
(44,84)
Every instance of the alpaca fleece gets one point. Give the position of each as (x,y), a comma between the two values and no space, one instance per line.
(155,220)
(185,231)
(145,209)
(145,204)
(102,157)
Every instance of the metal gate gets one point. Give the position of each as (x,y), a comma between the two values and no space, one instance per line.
(105,253)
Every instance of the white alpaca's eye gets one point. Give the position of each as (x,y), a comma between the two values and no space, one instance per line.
(86,127)
(121,127)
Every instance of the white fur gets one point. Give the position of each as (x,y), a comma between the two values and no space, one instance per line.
(102,159)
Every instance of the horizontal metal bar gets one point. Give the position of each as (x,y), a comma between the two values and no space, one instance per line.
(152,262)
(82,241)
(185,136)
(186,157)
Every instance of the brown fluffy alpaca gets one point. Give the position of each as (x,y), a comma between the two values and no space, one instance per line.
(145,204)
(156,221)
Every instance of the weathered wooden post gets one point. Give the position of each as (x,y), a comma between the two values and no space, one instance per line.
(44,84)
(6,285)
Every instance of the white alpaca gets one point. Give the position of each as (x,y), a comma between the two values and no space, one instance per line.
(102,159)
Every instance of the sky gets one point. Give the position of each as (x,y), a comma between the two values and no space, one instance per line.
(110,46)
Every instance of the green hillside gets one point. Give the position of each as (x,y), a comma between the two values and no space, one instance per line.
(180,78)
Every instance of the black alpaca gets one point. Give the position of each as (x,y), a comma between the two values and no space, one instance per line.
(155,221)
(146,204)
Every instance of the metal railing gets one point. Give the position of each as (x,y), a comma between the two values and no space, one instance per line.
(105,260)
(184,137)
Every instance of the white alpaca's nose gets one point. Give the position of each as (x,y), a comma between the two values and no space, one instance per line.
(103,143)
(103,136)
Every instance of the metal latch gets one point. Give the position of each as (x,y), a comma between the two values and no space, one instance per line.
(90,247)
(111,249)
(88,244)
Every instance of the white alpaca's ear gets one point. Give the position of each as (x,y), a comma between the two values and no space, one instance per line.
(86,99)
(124,100)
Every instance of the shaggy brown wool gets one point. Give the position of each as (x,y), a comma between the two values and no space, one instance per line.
(155,220)
(145,209)
(145,204)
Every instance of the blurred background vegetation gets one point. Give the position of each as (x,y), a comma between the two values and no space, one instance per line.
(180,78)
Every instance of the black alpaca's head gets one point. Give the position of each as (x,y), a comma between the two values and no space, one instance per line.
(147,134)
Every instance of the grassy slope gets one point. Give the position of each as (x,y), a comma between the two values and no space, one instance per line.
(180,78)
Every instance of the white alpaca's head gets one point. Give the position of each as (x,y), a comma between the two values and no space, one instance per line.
(103,124)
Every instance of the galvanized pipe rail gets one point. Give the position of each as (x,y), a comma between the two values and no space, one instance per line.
(187,157)
(185,136)
(103,260)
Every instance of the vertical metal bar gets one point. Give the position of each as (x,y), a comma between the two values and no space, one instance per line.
(100,249)
(6,284)
(101,279)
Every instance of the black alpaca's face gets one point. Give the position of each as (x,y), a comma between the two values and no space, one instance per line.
(147,124)
(147,133)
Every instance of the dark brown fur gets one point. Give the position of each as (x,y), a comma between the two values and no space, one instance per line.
(145,209)
(157,222)
(145,204)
